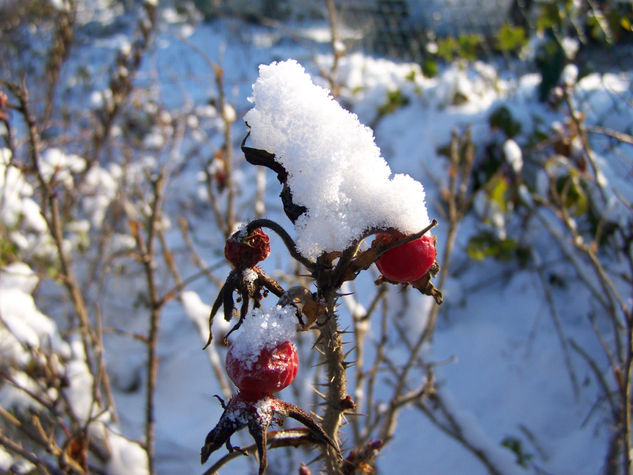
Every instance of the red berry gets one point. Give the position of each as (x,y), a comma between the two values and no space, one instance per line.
(273,370)
(406,262)
(246,251)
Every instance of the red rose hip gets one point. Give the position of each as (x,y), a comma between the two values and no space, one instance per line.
(407,262)
(244,251)
(273,370)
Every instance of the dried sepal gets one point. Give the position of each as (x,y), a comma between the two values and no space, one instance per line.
(248,283)
(258,415)
(306,304)
(361,459)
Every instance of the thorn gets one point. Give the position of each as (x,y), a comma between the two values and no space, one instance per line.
(222,403)
(318,392)
(337,295)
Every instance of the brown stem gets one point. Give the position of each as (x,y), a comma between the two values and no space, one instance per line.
(146,253)
(331,345)
(285,237)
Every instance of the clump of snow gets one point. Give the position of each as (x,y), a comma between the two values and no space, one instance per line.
(58,164)
(22,325)
(569,76)
(126,457)
(198,311)
(6,460)
(16,204)
(513,155)
(334,167)
(263,329)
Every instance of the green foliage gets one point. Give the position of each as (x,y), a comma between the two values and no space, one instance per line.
(8,251)
(447,48)
(510,38)
(465,46)
(395,99)
(429,68)
(487,244)
(469,46)
(497,190)
(552,14)
(571,191)
(501,118)
(514,444)
(550,61)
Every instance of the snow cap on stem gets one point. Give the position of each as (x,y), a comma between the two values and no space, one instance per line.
(334,167)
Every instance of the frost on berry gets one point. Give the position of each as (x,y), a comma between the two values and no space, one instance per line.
(261,361)
(245,250)
(263,329)
(273,370)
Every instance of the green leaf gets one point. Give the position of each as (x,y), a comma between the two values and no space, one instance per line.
(497,190)
(429,68)
(488,244)
(510,38)
(395,100)
(501,118)
(447,48)
(469,46)
(514,444)
(573,194)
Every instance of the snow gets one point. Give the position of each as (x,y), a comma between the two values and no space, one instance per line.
(21,323)
(505,374)
(513,155)
(262,329)
(126,457)
(334,167)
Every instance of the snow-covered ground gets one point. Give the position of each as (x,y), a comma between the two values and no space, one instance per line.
(505,373)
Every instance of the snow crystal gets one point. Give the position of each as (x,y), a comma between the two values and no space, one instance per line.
(263,328)
(334,167)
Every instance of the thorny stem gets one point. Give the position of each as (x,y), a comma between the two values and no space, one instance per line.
(331,345)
